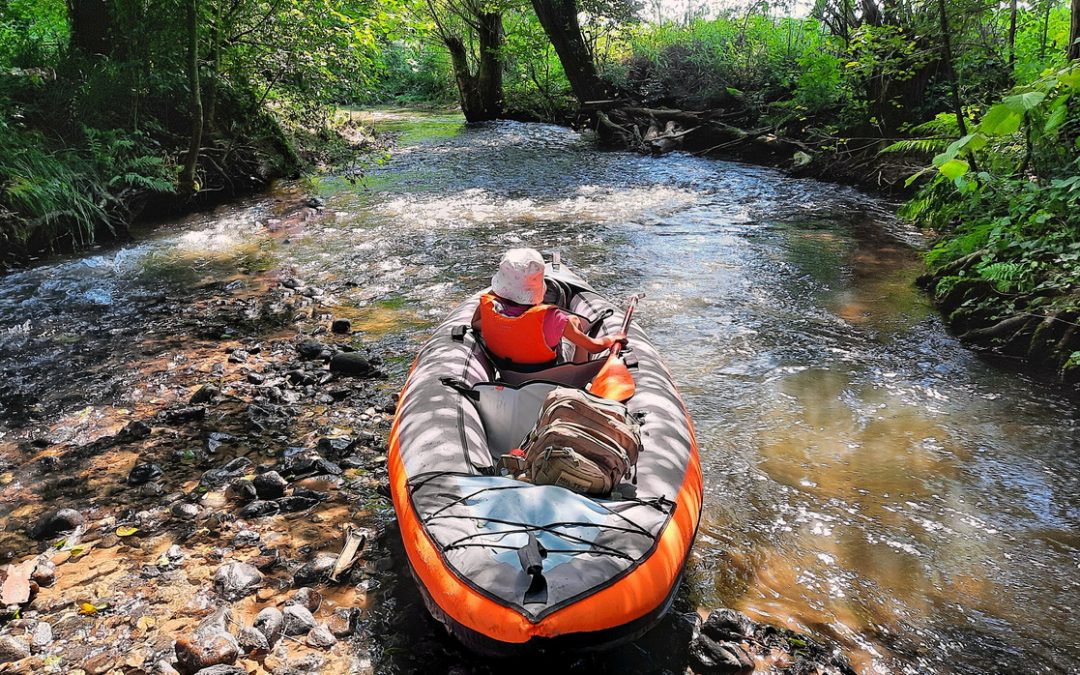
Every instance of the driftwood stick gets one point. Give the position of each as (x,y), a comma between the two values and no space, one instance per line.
(354,539)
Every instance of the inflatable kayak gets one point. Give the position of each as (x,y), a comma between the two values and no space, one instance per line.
(510,567)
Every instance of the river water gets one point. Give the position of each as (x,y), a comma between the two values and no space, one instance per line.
(868,480)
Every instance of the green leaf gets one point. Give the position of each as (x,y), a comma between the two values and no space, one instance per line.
(1070,79)
(1058,114)
(954,168)
(999,120)
(1024,102)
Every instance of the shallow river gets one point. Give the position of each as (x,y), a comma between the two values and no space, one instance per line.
(868,480)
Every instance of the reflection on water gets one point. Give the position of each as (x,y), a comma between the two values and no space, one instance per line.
(867,478)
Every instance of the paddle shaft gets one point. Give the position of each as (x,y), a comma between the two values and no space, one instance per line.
(617,347)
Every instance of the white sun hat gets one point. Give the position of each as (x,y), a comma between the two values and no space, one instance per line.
(520,277)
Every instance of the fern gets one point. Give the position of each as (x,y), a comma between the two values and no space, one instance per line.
(1006,276)
(943,124)
(920,145)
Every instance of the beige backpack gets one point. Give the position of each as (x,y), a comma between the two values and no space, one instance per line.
(582,442)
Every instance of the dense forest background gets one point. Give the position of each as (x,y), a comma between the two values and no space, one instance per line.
(112,110)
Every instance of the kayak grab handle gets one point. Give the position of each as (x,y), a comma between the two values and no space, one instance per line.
(531,556)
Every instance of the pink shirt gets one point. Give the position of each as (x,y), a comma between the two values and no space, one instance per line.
(554,321)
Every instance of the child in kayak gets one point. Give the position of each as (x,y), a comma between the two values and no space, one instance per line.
(519,327)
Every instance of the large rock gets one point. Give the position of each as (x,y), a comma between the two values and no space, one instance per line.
(54,523)
(270,485)
(270,622)
(237,580)
(12,649)
(727,624)
(297,620)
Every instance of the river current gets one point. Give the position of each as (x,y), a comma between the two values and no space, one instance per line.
(868,479)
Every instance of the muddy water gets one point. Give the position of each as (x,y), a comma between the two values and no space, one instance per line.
(867,479)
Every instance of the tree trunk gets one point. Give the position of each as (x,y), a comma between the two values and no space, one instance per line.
(560,21)
(1074,31)
(489,72)
(1012,36)
(214,68)
(187,177)
(468,86)
(950,73)
(90,26)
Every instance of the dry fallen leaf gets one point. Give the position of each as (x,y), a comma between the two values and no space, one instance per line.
(126,531)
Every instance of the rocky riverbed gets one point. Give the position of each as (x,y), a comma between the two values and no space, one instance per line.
(220,504)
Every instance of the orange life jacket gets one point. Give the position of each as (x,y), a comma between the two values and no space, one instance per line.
(518,339)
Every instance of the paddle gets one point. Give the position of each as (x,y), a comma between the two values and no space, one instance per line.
(614,380)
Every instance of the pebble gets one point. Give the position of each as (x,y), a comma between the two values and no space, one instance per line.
(100,663)
(44,573)
(237,580)
(306,597)
(185,511)
(205,394)
(270,485)
(136,430)
(144,473)
(341,326)
(352,363)
(335,446)
(195,655)
(297,620)
(251,640)
(12,649)
(312,349)
(242,490)
(321,637)
(41,637)
(245,539)
(270,622)
(259,508)
(181,415)
(297,503)
(343,621)
(222,669)
(315,571)
(56,522)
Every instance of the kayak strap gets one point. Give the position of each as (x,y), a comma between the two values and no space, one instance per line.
(531,556)
(461,387)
